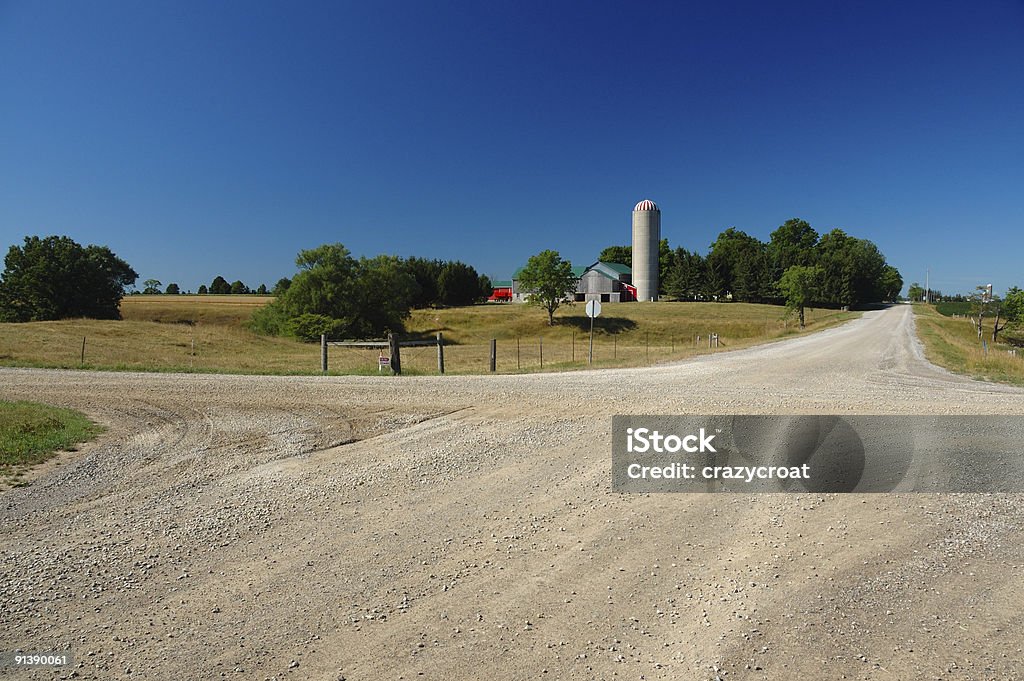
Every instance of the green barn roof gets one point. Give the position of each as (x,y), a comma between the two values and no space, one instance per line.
(580,270)
(619,267)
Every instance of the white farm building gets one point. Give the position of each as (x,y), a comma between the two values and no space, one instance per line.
(605,282)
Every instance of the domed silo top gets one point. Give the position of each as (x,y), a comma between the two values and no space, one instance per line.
(646,204)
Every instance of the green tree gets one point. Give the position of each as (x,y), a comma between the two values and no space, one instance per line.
(324,284)
(309,327)
(458,284)
(56,278)
(714,285)
(852,269)
(752,276)
(549,281)
(666,262)
(791,244)
(696,273)
(622,255)
(686,278)
(1013,306)
(220,286)
(281,286)
(1010,310)
(382,298)
(484,288)
(238,287)
(736,253)
(890,283)
(152,287)
(334,294)
(173,289)
(675,280)
(799,285)
(203,290)
(427,274)
(262,290)
(915,292)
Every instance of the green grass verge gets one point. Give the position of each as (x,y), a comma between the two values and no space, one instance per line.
(953,343)
(31,433)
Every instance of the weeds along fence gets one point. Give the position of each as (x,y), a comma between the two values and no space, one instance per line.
(210,347)
(511,355)
(180,347)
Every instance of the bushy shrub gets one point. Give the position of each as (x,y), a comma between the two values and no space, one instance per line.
(269,320)
(308,327)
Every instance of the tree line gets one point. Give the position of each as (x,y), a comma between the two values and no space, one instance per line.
(338,295)
(833,269)
(53,277)
(152,287)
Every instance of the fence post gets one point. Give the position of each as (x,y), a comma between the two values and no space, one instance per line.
(83,349)
(541,352)
(396,359)
(615,347)
(494,354)
(648,347)
(440,353)
(590,356)
(323,353)
(573,346)
(518,365)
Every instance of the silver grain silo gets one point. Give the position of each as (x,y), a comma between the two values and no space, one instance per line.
(646,249)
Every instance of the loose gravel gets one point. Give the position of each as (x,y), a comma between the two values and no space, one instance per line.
(463,527)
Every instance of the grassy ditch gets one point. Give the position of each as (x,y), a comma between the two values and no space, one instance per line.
(953,343)
(31,433)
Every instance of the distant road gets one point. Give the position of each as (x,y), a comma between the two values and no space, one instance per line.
(463,527)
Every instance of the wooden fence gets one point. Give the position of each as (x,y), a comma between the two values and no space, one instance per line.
(510,355)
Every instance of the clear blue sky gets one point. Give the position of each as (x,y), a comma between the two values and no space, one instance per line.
(214,137)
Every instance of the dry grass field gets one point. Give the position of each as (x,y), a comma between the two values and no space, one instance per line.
(953,343)
(626,334)
(208,334)
(224,310)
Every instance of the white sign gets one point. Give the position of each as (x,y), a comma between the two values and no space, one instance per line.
(385,361)
(593,308)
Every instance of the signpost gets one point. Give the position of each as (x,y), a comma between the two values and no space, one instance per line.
(593,309)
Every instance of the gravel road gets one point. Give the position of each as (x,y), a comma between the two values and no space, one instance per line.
(464,528)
